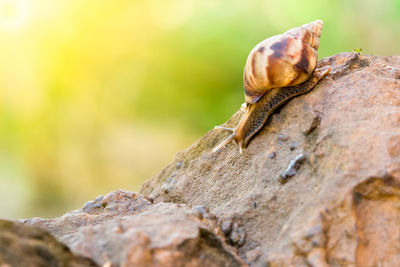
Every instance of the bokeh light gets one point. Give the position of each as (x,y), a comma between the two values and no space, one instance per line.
(13,13)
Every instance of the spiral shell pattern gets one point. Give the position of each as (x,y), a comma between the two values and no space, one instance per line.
(283,60)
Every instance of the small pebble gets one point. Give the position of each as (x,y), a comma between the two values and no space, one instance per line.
(237,235)
(169,184)
(293,146)
(234,237)
(93,205)
(283,138)
(291,170)
(242,235)
(179,164)
(226,226)
(272,155)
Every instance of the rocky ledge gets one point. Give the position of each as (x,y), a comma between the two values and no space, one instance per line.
(318,186)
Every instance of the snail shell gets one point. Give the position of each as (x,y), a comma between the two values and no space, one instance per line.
(287,59)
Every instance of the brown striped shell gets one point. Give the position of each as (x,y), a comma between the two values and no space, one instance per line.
(283,60)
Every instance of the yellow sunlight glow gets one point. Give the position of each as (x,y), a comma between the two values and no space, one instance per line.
(13,13)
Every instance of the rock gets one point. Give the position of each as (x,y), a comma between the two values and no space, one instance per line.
(293,167)
(23,245)
(127,229)
(341,207)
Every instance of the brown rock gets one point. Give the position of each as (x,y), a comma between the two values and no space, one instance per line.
(23,245)
(127,229)
(341,205)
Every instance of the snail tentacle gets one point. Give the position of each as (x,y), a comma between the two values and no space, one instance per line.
(225,128)
(223,143)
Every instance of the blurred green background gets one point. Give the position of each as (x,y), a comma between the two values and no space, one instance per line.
(97,95)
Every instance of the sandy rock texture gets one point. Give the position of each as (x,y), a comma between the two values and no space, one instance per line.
(127,229)
(318,186)
(23,245)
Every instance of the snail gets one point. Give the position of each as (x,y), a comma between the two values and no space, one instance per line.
(276,70)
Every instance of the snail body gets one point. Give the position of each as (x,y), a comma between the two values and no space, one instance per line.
(275,72)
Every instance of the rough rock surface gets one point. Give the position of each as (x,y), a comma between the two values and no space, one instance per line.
(127,229)
(339,205)
(23,245)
